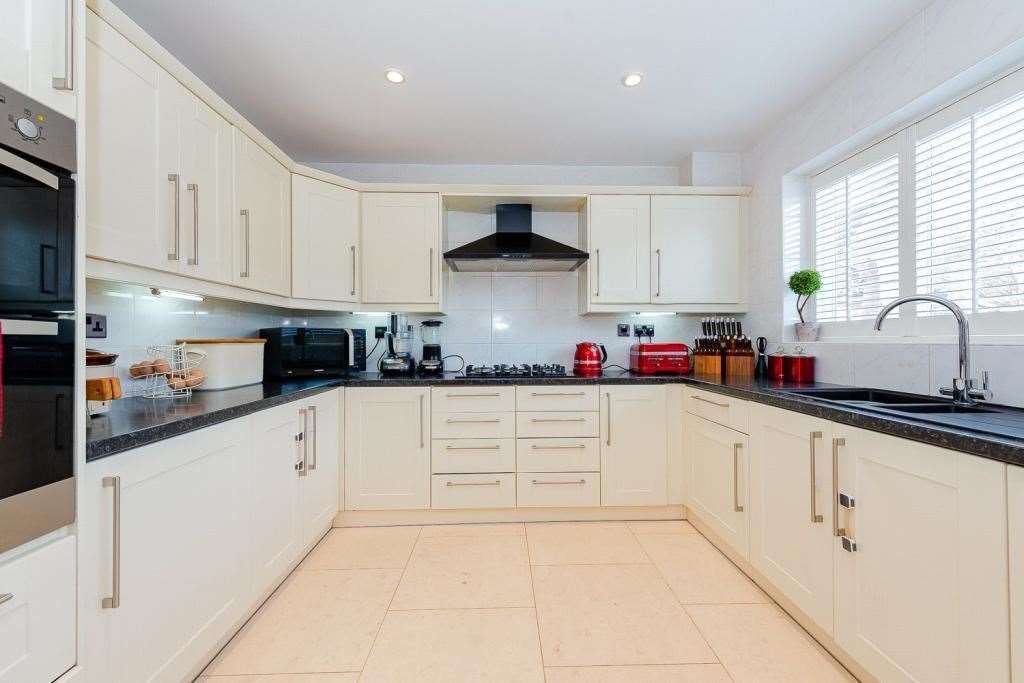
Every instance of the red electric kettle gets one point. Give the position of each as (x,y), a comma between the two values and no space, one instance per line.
(588,359)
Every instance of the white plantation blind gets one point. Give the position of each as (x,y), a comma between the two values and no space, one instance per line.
(969,207)
(856,242)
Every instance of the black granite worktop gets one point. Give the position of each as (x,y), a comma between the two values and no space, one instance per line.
(135,422)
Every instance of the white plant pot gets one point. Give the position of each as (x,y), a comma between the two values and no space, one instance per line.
(807,332)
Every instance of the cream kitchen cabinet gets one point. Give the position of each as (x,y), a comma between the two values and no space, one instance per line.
(37,613)
(387,448)
(325,241)
(791,539)
(921,560)
(320,421)
(1015,507)
(716,467)
(618,271)
(263,219)
(634,445)
(401,240)
(697,250)
(37,51)
(164,533)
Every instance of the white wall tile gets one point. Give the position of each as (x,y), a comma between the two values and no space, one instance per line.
(469,290)
(514,292)
(903,367)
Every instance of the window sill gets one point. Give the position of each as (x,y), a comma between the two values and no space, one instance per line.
(976,339)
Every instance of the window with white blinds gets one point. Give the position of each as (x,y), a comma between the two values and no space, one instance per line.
(957,179)
(857,240)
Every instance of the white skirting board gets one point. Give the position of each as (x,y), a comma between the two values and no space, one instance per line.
(356,518)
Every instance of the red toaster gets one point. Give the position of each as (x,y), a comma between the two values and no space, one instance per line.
(659,359)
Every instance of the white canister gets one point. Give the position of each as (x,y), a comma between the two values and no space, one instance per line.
(228,363)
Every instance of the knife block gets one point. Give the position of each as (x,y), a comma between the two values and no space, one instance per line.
(739,365)
(708,365)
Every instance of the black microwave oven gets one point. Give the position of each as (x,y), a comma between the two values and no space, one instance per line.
(301,352)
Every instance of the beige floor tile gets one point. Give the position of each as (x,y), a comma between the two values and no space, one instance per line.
(680,673)
(283,678)
(456,645)
(445,530)
(698,572)
(318,621)
(674,526)
(583,543)
(761,643)
(453,572)
(613,614)
(363,548)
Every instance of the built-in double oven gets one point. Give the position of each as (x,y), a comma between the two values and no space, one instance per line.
(37,319)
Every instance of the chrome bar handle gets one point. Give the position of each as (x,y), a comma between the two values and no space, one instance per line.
(5,597)
(704,400)
(736,477)
(421,420)
(452,420)
(353,248)
(244,213)
(494,395)
(558,448)
(837,442)
(815,517)
(597,272)
(496,482)
(472,448)
(302,465)
(608,402)
(430,270)
(194,189)
(114,601)
(68,81)
(558,483)
(557,393)
(176,254)
(312,437)
(658,291)
(557,419)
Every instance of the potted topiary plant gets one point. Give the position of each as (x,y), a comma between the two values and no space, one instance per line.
(805,284)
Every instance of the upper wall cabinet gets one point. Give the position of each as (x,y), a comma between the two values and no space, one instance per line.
(620,245)
(263,216)
(161,187)
(401,236)
(667,252)
(37,50)
(325,241)
(697,250)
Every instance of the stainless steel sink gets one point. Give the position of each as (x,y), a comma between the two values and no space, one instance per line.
(941,408)
(857,395)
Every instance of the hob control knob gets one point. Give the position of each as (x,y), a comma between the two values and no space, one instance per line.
(27,128)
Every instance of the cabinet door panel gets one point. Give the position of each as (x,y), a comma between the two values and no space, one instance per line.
(319,488)
(924,595)
(15,44)
(697,250)
(634,445)
(1015,505)
(325,229)
(789,546)
(133,129)
(401,238)
(387,448)
(620,249)
(49,55)
(263,191)
(717,468)
(206,191)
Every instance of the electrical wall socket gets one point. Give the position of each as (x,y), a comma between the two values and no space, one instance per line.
(643,330)
(623,329)
(95,326)
(379,332)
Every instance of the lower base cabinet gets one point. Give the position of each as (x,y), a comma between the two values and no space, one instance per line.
(634,445)
(717,472)
(1015,507)
(37,613)
(921,564)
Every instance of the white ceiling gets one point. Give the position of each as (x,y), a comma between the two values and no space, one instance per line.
(533,81)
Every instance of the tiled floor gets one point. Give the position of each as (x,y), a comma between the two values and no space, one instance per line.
(606,602)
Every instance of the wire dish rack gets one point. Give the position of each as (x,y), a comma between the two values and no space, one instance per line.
(171,382)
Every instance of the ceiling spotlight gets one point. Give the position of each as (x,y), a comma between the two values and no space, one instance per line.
(394,75)
(632,79)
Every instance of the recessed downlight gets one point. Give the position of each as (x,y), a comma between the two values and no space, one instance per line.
(394,75)
(632,79)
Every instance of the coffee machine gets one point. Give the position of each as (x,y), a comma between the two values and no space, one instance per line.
(398,360)
(433,361)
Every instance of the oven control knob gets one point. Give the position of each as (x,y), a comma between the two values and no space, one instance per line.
(27,128)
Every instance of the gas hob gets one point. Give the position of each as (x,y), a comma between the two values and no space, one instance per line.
(524,370)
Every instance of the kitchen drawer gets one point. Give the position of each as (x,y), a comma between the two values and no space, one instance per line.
(558,455)
(472,399)
(37,621)
(472,455)
(473,425)
(570,397)
(546,425)
(725,410)
(569,489)
(473,491)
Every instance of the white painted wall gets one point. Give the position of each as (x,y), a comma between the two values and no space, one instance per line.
(712,168)
(500,174)
(947,48)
